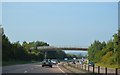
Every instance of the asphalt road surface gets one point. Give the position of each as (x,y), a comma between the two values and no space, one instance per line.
(32,68)
(37,69)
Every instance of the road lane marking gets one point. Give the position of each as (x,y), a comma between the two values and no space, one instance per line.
(25,71)
(60,69)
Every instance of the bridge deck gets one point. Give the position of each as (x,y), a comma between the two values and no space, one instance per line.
(61,48)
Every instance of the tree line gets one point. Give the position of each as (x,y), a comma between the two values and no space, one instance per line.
(106,52)
(16,51)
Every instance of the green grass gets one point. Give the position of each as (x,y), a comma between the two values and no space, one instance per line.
(107,65)
(15,62)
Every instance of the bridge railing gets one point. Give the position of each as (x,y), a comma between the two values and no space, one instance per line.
(57,48)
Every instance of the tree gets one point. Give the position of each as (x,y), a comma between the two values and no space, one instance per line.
(103,44)
(94,49)
(16,51)
(118,52)
(61,55)
(40,43)
(52,54)
(6,48)
(110,46)
(106,53)
(71,56)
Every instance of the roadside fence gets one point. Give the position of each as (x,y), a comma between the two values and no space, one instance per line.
(96,69)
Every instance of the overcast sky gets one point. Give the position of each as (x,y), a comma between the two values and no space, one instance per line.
(60,24)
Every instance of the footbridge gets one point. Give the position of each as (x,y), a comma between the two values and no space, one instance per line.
(58,48)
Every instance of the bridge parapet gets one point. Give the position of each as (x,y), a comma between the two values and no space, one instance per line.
(59,48)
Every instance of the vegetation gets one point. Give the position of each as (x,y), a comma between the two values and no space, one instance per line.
(56,55)
(105,53)
(13,53)
(102,53)
(71,56)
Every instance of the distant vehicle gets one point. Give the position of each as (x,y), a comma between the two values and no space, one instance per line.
(47,62)
(81,62)
(91,63)
(54,61)
(65,59)
(74,62)
(74,58)
(70,60)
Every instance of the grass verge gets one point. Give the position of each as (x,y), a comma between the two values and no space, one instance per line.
(107,65)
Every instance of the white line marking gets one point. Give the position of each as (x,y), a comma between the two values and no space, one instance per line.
(60,69)
(25,71)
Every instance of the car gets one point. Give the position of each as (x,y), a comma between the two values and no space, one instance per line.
(47,62)
(54,61)
(81,62)
(91,63)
